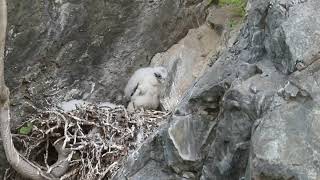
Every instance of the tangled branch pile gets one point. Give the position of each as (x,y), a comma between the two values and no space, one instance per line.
(94,139)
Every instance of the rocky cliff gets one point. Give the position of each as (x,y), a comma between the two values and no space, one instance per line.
(254,113)
(243,106)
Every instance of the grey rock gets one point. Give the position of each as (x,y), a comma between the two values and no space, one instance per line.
(188,136)
(151,171)
(284,144)
(186,61)
(289,91)
(146,160)
(293,33)
(253,113)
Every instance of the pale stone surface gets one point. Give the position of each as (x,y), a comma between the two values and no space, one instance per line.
(186,61)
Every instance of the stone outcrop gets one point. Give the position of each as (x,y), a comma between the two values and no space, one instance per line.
(186,61)
(254,113)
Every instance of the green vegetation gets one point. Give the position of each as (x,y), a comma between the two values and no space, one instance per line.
(238,5)
(232,23)
(210,2)
(232,2)
(25,130)
(237,8)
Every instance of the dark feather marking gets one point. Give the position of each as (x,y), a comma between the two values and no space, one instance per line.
(157,75)
(134,90)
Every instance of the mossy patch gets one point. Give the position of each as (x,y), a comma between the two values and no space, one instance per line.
(232,2)
(232,23)
(237,9)
(238,6)
(210,2)
(25,130)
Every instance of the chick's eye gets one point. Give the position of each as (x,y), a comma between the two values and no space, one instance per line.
(157,75)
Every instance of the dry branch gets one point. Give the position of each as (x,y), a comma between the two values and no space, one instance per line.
(92,140)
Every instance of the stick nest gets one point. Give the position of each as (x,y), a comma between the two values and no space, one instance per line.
(96,138)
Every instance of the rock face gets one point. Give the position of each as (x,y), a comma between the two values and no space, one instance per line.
(87,49)
(254,114)
(185,61)
(290,25)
